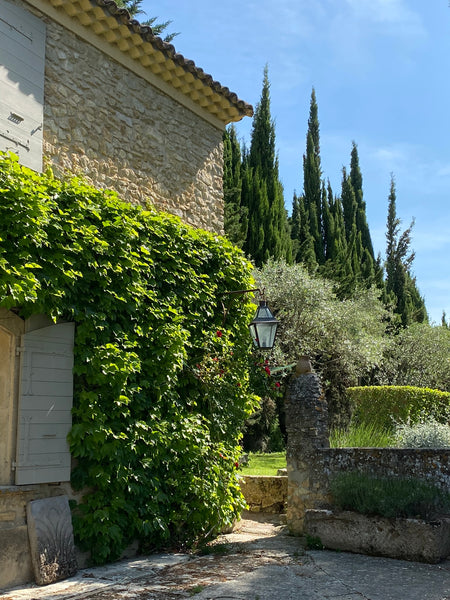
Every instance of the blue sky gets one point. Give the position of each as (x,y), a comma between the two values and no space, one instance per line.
(380,71)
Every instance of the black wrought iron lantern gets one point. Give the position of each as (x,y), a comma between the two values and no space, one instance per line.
(263,328)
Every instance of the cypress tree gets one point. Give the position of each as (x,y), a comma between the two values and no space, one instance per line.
(295,223)
(254,194)
(400,285)
(311,245)
(313,125)
(235,215)
(349,206)
(312,180)
(339,237)
(328,224)
(361,217)
(262,193)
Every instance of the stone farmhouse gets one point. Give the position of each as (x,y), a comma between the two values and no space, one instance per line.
(88,91)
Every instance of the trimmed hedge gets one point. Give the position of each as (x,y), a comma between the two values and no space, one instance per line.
(386,405)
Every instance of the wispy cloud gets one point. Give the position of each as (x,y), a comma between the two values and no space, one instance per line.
(413,161)
(394,17)
(444,171)
(355,28)
(394,155)
(424,241)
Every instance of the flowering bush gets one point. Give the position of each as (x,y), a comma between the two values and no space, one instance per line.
(264,429)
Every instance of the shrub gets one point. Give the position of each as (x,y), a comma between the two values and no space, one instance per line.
(161,387)
(425,434)
(387,405)
(360,435)
(388,497)
(344,339)
(418,355)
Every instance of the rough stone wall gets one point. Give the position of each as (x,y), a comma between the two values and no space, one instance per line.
(311,463)
(106,123)
(307,432)
(263,493)
(431,465)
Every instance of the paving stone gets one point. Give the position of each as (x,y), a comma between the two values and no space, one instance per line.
(258,561)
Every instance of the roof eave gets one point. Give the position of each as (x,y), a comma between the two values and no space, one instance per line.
(110,28)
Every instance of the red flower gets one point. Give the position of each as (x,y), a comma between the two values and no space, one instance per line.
(219,333)
(236,464)
(278,384)
(239,385)
(267,370)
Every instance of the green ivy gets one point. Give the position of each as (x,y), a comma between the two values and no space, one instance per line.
(156,425)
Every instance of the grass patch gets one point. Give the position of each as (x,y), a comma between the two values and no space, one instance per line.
(264,464)
(361,435)
(314,543)
(197,589)
(388,496)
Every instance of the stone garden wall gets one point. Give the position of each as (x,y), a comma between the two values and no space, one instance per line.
(265,494)
(311,463)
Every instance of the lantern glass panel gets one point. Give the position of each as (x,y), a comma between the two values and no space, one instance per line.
(263,328)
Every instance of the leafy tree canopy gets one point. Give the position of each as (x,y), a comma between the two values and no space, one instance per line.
(344,338)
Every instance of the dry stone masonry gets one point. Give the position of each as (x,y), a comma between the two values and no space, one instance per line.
(307,433)
(105,123)
(311,463)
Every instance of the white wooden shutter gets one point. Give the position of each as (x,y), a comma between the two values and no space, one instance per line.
(22,64)
(45,404)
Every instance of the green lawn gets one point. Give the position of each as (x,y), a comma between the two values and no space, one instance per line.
(264,464)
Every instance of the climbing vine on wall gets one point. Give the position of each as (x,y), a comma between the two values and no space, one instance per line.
(156,425)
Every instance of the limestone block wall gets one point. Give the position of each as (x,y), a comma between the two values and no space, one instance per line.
(263,493)
(106,123)
(429,464)
(311,463)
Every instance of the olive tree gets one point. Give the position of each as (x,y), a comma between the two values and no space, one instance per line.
(418,355)
(345,339)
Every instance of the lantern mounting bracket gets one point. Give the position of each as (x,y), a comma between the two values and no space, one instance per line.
(234,294)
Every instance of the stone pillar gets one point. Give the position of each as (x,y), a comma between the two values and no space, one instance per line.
(307,433)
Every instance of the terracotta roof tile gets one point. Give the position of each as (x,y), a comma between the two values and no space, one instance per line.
(169,51)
